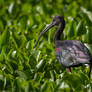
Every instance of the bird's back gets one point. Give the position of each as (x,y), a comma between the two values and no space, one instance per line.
(72,53)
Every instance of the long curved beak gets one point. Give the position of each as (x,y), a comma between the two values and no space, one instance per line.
(45,30)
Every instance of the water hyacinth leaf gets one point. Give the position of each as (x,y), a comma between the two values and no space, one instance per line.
(19,40)
(53,77)
(88,36)
(1,77)
(84,38)
(15,10)
(24,40)
(88,13)
(3,9)
(71,31)
(89,46)
(58,85)
(21,84)
(9,76)
(26,8)
(16,39)
(30,44)
(36,54)
(40,65)
(39,9)
(38,76)
(80,29)
(12,58)
(14,53)
(4,38)
(9,67)
(46,86)
(4,51)
(84,79)
(1,57)
(23,22)
(31,20)
(75,82)
(22,74)
(1,25)
(22,56)
(17,84)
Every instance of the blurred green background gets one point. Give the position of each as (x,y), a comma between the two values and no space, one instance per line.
(25,69)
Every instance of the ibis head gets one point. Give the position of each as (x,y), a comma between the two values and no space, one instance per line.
(56,21)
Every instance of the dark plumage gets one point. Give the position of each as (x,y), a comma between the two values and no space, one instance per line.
(69,53)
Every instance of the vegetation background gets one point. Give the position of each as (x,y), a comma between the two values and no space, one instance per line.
(25,69)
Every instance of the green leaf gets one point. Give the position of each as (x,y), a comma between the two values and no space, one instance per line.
(30,44)
(4,38)
(88,13)
(45,86)
(80,29)
(1,25)
(40,65)
(88,36)
(23,22)
(71,32)
(38,76)
(21,74)
(89,46)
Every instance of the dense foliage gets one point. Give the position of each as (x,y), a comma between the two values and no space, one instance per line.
(27,69)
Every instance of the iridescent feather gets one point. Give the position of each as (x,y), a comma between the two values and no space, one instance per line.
(72,53)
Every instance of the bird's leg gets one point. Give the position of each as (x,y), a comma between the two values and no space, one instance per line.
(68,69)
(89,74)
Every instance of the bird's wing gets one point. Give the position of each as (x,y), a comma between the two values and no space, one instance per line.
(72,55)
(79,54)
(65,57)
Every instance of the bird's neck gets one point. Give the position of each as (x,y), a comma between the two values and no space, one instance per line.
(58,33)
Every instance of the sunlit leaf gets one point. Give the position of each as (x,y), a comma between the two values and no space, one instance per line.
(40,65)
(88,13)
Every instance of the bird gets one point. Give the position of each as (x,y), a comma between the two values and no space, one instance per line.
(69,53)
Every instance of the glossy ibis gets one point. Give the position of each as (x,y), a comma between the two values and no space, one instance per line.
(69,53)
